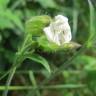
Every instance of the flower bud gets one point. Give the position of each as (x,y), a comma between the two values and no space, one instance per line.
(36,24)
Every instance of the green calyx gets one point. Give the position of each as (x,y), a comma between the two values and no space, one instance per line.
(35,25)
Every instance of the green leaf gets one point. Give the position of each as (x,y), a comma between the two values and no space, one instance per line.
(14,19)
(39,59)
(88,62)
(92,27)
(91,63)
(3,3)
(47,3)
(5,23)
(10,19)
(91,79)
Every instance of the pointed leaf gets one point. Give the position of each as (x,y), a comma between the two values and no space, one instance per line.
(39,59)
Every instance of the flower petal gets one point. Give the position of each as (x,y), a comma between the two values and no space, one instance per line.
(59,30)
(48,33)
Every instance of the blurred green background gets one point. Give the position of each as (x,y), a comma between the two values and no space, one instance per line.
(82,68)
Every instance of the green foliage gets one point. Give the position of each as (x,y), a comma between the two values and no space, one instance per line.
(92,27)
(39,59)
(47,3)
(7,17)
(3,3)
(88,62)
(78,74)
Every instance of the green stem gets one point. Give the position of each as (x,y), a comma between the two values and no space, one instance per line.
(11,74)
(91,22)
(27,72)
(33,81)
(75,18)
(65,86)
(17,62)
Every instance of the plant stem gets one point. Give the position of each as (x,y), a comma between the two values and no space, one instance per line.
(62,86)
(17,61)
(11,74)
(33,81)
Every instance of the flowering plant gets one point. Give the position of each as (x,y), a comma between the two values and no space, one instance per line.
(55,37)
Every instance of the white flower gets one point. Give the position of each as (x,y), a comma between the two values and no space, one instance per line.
(59,30)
